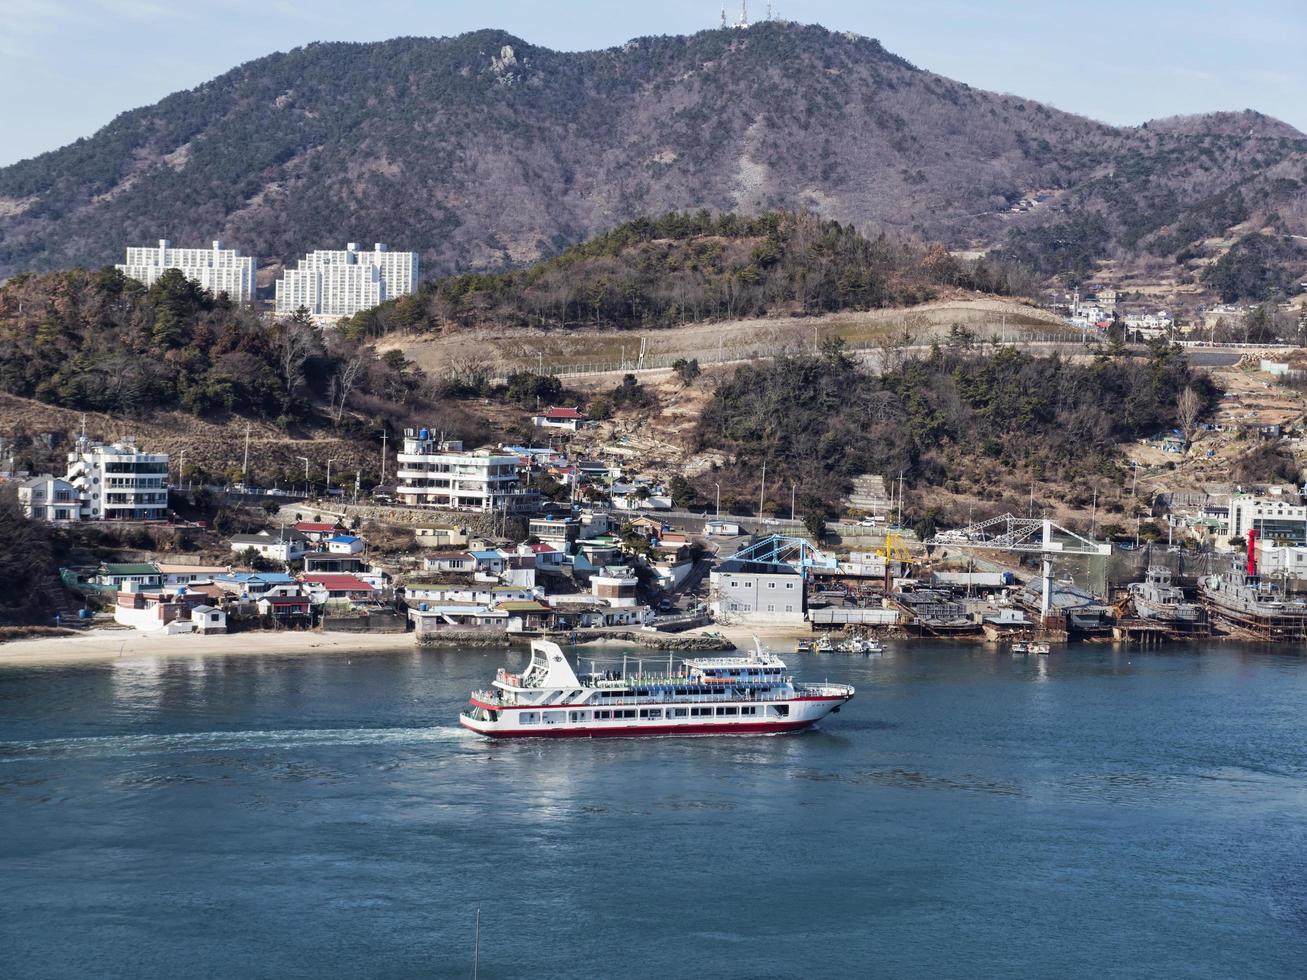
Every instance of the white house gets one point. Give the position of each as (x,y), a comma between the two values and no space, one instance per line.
(275,545)
(345,544)
(209,620)
(567,419)
(49,498)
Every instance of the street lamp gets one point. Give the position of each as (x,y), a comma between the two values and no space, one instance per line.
(181,467)
(329,462)
(307,492)
(793,487)
(719,499)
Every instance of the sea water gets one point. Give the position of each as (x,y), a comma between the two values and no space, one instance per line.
(1096,812)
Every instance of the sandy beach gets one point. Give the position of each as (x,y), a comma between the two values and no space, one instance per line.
(103,645)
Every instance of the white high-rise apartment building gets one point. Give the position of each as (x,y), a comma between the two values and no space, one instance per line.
(433,473)
(119,482)
(217,269)
(332,284)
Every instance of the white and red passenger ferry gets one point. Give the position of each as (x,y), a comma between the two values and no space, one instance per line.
(749,695)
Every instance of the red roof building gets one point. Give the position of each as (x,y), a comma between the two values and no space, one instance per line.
(338,585)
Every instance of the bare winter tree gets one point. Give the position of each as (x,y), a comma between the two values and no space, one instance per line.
(345,381)
(1188,408)
(293,340)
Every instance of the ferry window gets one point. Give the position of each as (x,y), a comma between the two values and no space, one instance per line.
(651,712)
(603,715)
(700,712)
(630,713)
(579,716)
(781,710)
(678,712)
(749,710)
(527,718)
(771,585)
(789,585)
(728,711)
(771,608)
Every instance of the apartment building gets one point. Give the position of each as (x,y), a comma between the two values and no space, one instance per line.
(338,283)
(118,482)
(435,473)
(217,269)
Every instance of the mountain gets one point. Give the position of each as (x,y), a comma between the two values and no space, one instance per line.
(482,151)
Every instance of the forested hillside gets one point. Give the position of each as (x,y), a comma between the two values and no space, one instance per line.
(687,268)
(819,420)
(99,341)
(483,151)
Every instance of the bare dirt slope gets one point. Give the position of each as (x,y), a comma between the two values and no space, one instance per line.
(508,349)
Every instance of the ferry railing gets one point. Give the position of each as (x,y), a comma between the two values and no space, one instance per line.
(507,699)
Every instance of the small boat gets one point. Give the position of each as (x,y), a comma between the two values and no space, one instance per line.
(803,646)
(1041,648)
(1020,646)
(872,646)
(824,645)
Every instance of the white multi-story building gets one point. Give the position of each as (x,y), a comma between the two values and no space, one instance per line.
(119,482)
(432,473)
(217,269)
(1278,518)
(332,284)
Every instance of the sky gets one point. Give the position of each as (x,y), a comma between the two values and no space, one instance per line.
(70,66)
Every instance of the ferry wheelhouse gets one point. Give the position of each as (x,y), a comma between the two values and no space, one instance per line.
(748,695)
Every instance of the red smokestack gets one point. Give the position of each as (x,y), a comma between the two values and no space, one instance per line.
(1252,551)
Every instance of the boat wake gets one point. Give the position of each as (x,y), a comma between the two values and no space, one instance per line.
(112,746)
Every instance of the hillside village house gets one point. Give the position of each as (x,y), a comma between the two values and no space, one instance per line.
(179,575)
(567,419)
(345,544)
(324,587)
(459,562)
(128,575)
(254,584)
(440,537)
(49,498)
(283,545)
(315,532)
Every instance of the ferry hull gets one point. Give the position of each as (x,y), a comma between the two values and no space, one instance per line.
(494,730)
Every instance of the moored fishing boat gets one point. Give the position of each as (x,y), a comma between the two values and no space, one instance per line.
(749,695)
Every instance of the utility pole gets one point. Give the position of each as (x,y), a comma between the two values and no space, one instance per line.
(329,462)
(306,474)
(245,467)
(762,489)
(181,467)
(793,488)
(1093,516)
(900,498)
(383,457)
(719,499)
